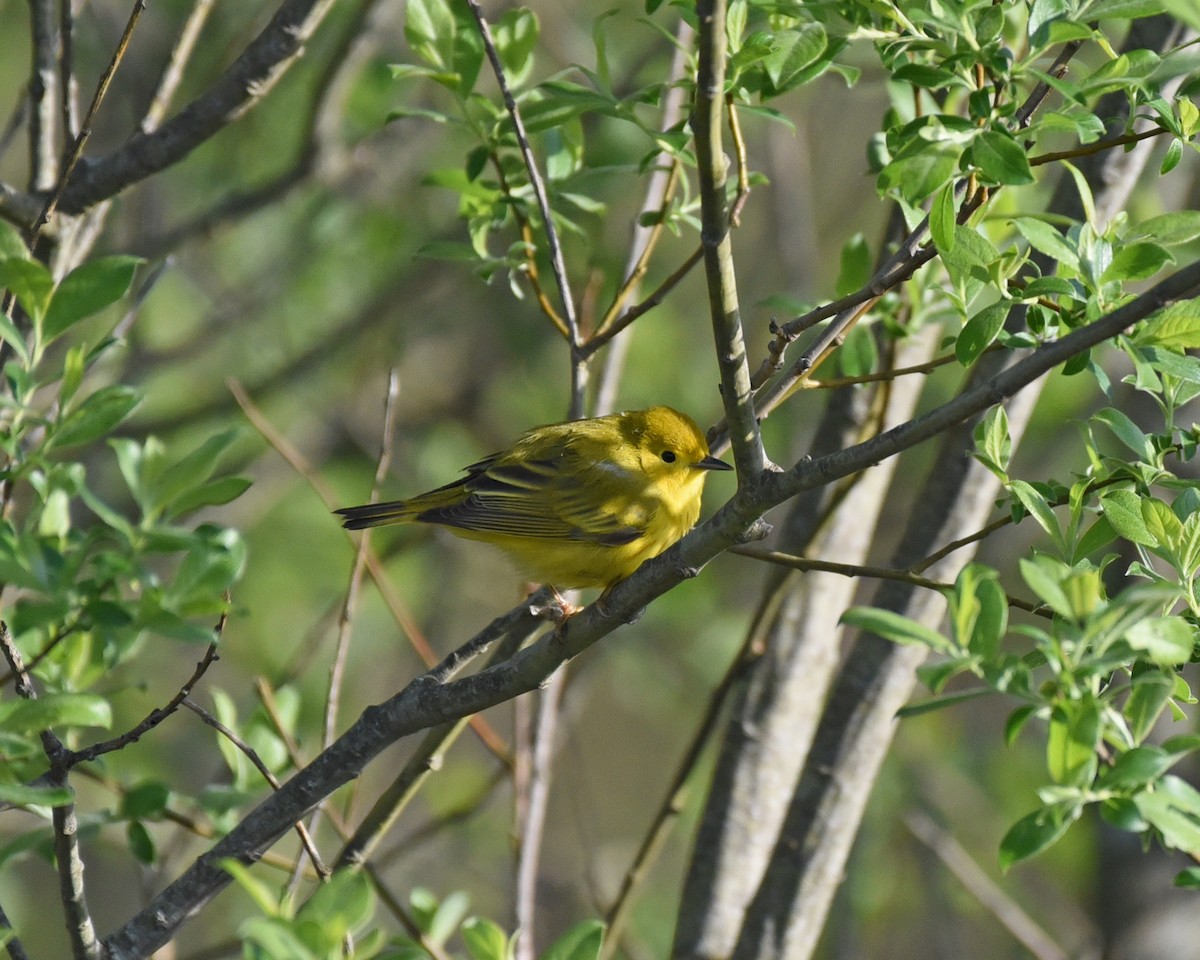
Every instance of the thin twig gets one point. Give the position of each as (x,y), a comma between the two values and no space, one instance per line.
(155,716)
(535,178)
(659,188)
(412,632)
(983,888)
(874,573)
(172,74)
(533,823)
(673,804)
(652,301)
(1098,146)
(350,603)
(252,755)
(85,131)
(15,950)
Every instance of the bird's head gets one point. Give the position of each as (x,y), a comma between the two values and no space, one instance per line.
(671,448)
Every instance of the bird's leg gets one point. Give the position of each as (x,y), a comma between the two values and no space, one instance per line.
(556,609)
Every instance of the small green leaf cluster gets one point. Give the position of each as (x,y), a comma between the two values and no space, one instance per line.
(85,582)
(1103,666)
(961,71)
(333,924)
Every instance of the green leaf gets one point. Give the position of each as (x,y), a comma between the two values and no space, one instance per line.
(484,940)
(943,218)
(429,28)
(792,51)
(1176,325)
(1136,261)
(980,332)
(141,844)
(29,282)
(855,268)
(57,710)
(918,175)
(1044,576)
(1001,159)
(191,471)
(1171,157)
(992,442)
(1162,523)
(1032,834)
(213,493)
(516,35)
(1165,640)
(1123,510)
(145,801)
(1045,239)
(97,415)
(582,942)
(1151,691)
(21,795)
(970,252)
(342,904)
(1073,739)
(1180,226)
(1137,767)
(896,628)
(1127,432)
(1173,809)
(1037,507)
(1016,722)
(87,290)
(12,244)
(1121,9)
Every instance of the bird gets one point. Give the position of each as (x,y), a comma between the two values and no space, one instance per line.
(576,504)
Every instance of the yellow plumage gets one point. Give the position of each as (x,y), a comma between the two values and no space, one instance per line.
(576,504)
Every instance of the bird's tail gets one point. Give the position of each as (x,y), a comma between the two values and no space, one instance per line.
(375,514)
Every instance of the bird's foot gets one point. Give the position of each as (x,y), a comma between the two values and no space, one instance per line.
(556,609)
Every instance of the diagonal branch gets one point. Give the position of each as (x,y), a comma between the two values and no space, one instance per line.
(240,88)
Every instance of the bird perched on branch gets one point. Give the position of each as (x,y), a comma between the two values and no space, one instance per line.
(575,504)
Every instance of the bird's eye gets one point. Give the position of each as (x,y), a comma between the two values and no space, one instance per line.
(668,456)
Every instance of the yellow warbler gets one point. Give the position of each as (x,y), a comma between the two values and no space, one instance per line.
(576,504)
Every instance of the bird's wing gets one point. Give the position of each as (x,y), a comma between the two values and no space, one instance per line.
(551,499)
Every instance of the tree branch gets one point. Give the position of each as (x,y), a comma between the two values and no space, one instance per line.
(715,237)
(246,82)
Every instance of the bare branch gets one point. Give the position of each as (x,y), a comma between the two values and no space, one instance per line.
(172,76)
(983,888)
(252,755)
(242,86)
(85,131)
(532,825)
(155,716)
(554,248)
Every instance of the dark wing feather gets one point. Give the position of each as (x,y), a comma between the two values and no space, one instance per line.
(532,498)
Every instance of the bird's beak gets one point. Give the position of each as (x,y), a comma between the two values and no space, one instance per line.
(712,463)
